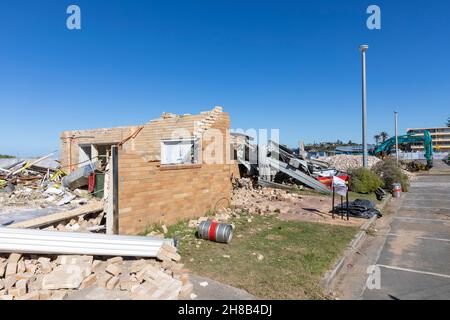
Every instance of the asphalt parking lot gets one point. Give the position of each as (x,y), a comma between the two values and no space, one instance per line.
(414,262)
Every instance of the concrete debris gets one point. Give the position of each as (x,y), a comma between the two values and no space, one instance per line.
(57,277)
(347,163)
(53,191)
(34,188)
(66,199)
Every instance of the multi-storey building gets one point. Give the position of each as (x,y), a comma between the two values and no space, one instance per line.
(440,136)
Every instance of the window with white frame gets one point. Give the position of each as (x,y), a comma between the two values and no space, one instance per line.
(179,151)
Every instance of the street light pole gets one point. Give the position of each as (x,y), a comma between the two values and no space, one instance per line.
(363,50)
(396,136)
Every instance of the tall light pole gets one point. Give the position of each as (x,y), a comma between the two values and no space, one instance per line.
(363,50)
(396,136)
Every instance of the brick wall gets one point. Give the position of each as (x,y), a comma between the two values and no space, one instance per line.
(151,193)
(95,136)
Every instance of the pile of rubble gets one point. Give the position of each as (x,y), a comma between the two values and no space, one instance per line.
(41,196)
(35,184)
(413,166)
(264,201)
(32,277)
(347,163)
(249,201)
(95,222)
(33,188)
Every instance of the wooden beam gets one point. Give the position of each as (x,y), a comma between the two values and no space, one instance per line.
(60,216)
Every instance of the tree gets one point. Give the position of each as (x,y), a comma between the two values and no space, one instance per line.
(377,138)
(384,136)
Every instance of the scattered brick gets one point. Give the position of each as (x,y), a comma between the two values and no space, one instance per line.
(112,283)
(114,269)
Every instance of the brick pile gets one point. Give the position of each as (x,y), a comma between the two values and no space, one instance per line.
(33,277)
(85,223)
(265,201)
(249,201)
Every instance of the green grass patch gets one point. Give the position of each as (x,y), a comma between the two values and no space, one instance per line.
(296,256)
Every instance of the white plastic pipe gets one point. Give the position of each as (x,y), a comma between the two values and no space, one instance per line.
(55,242)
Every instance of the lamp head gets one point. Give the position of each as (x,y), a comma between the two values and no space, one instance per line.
(364,48)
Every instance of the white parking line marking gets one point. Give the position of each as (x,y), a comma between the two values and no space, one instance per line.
(412,198)
(424,196)
(422,219)
(415,271)
(425,208)
(422,238)
(430,184)
(440,202)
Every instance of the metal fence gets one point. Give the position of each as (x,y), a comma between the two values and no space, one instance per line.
(421,155)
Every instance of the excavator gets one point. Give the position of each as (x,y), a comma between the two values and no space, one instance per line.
(426,139)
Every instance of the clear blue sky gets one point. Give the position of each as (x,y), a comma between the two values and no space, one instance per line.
(292,65)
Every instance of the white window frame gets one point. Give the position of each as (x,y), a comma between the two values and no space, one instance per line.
(194,155)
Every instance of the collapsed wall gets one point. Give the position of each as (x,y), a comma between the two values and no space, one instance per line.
(151,191)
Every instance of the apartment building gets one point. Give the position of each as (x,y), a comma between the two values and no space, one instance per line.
(440,136)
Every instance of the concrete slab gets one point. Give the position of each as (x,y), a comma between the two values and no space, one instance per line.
(405,285)
(408,251)
(427,203)
(217,291)
(426,211)
(97,293)
(427,196)
(427,228)
(415,258)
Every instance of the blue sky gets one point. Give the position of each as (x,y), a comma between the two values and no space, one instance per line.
(292,65)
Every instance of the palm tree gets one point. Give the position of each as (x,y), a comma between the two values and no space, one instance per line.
(384,136)
(377,139)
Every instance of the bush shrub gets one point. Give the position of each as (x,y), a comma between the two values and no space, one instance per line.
(365,181)
(390,173)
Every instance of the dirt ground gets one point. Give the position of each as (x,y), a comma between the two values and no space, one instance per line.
(290,206)
(317,209)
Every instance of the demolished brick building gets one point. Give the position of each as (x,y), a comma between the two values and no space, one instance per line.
(167,170)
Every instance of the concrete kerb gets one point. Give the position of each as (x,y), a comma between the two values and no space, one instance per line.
(351,249)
